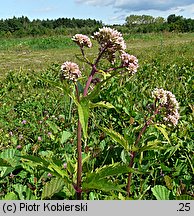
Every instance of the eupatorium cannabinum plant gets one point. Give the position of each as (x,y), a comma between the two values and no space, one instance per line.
(112,48)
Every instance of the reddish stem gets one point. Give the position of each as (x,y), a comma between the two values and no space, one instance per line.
(79,149)
(133,154)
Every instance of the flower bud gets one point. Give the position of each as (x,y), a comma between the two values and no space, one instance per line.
(129,61)
(70,71)
(82,40)
(169,103)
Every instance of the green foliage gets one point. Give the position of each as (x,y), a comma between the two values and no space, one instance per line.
(116,137)
(146,23)
(22,26)
(52,187)
(46,140)
(98,179)
(161,192)
(83,111)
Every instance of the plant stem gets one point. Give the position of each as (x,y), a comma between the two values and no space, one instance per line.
(79,150)
(79,128)
(133,154)
(79,162)
(94,70)
(89,80)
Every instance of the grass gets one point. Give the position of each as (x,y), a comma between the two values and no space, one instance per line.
(35,54)
(49,129)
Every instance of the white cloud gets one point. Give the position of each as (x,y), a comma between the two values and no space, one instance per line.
(96,2)
(138,5)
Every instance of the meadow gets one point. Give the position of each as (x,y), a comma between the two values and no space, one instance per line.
(38,122)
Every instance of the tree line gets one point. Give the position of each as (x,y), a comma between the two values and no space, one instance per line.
(146,23)
(23,26)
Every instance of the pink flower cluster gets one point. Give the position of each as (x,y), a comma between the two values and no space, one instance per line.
(82,40)
(169,102)
(70,71)
(111,40)
(110,37)
(129,61)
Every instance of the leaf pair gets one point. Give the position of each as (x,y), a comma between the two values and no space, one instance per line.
(84,111)
(99,178)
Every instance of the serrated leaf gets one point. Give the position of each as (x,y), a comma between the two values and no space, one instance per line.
(24,193)
(103,185)
(163,131)
(102,104)
(52,187)
(109,170)
(59,171)
(152,145)
(161,192)
(9,155)
(36,159)
(48,166)
(117,137)
(65,136)
(83,111)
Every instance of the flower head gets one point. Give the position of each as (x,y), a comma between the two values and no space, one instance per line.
(49,175)
(111,40)
(18,147)
(160,95)
(168,101)
(24,121)
(65,165)
(82,40)
(39,138)
(70,71)
(129,61)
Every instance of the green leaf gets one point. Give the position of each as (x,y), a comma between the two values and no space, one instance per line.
(109,170)
(116,137)
(10,196)
(9,155)
(83,111)
(102,184)
(151,145)
(58,171)
(53,126)
(99,86)
(162,129)
(52,187)
(24,193)
(169,182)
(161,192)
(5,171)
(165,168)
(48,166)
(4,163)
(102,104)
(36,159)
(53,83)
(190,162)
(65,136)
(184,197)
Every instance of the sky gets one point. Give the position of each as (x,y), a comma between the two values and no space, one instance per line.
(108,11)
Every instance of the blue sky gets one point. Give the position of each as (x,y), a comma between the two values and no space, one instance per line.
(109,11)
